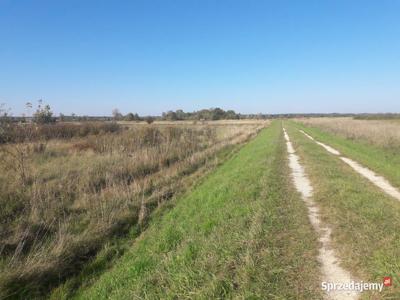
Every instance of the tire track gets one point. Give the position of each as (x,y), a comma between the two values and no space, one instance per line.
(377,180)
(330,268)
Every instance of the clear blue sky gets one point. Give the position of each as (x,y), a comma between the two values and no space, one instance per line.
(148,56)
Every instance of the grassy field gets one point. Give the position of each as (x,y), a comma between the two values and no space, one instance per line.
(375,144)
(365,220)
(243,232)
(63,199)
(193,210)
(382,133)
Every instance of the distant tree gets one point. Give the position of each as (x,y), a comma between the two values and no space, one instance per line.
(149,119)
(62,117)
(4,122)
(170,116)
(204,114)
(4,113)
(28,107)
(129,117)
(132,117)
(180,115)
(23,118)
(230,114)
(43,114)
(116,114)
(217,114)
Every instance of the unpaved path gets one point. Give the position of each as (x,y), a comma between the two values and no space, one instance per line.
(331,270)
(379,181)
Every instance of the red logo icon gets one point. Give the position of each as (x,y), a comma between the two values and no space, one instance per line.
(387,281)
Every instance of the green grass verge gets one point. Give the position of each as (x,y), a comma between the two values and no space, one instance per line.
(242,233)
(365,221)
(117,246)
(384,161)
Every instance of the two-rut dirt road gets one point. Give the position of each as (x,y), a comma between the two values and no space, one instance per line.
(330,266)
(377,180)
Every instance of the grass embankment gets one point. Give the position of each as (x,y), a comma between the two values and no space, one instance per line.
(243,232)
(64,200)
(365,221)
(382,158)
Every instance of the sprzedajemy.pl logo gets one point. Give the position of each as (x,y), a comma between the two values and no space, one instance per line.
(359,286)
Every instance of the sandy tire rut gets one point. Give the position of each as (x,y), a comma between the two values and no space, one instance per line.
(330,264)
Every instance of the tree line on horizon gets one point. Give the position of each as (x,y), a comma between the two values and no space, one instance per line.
(44,115)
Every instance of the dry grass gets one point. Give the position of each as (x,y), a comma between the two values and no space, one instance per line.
(382,133)
(76,194)
(242,233)
(22,132)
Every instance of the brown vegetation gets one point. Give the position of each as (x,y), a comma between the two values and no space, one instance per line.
(23,132)
(62,199)
(382,133)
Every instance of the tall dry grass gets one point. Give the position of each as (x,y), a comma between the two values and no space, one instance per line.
(12,132)
(383,133)
(74,195)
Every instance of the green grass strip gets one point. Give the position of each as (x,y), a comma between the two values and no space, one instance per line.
(365,221)
(383,161)
(242,233)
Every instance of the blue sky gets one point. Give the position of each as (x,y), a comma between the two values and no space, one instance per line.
(149,56)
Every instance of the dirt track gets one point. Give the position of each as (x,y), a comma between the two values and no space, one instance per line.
(377,180)
(331,269)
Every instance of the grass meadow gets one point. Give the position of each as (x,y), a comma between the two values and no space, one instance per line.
(382,133)
(230,237)
(364,220)
(374,143)
(193,209)
(66,193)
